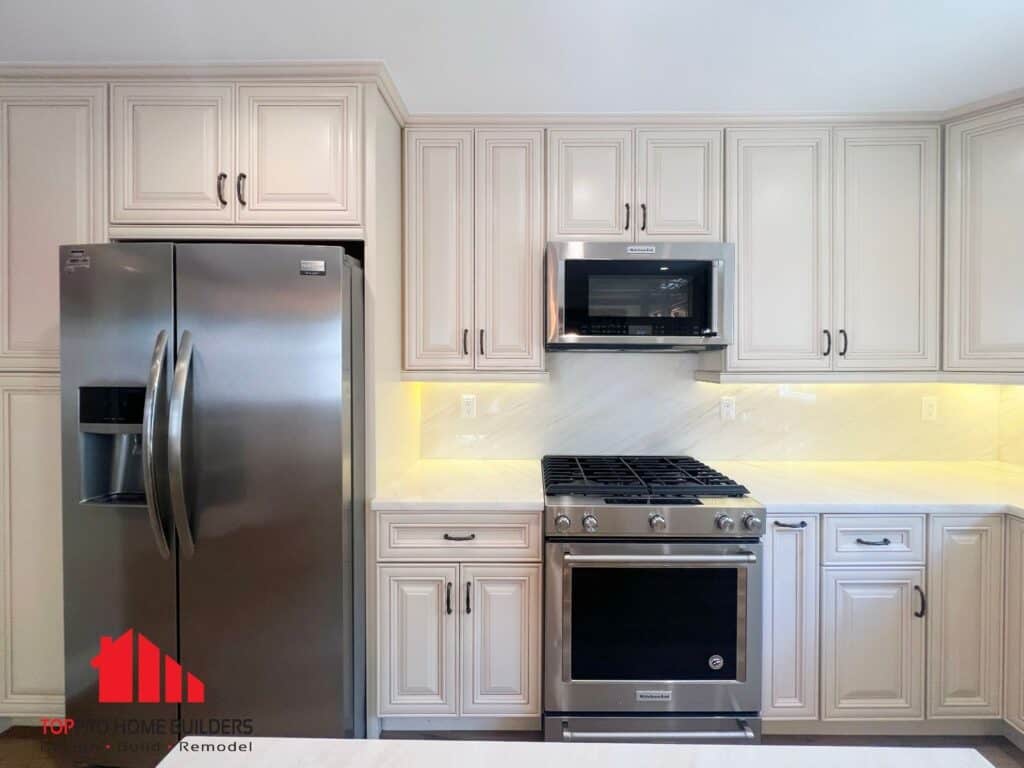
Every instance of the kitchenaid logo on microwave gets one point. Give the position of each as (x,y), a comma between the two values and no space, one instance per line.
(116,662)
(642,249)
(654,695)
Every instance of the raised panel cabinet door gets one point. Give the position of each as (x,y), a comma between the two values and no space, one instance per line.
(984,241)
(886,248)
(172,153)
(590,183)
(791,618)
(509,249)
(439,250)
(872,660)
(778,214)
(1014,677)
(418,639)
(299,154)
(501,639)
(679,184)
(965,625)
(53,149)
(31,587)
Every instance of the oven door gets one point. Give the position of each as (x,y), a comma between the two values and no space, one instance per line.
(652,627)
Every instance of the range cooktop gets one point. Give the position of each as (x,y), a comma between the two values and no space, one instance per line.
(626,476)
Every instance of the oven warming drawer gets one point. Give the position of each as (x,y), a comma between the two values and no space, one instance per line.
(663,730)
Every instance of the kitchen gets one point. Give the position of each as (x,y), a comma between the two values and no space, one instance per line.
(431,378)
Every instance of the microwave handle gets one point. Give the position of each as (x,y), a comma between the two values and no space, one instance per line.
(740,558)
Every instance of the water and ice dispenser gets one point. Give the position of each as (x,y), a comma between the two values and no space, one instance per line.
(110,435)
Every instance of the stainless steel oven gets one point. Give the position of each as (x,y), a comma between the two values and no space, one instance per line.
(652,640)
(639,296)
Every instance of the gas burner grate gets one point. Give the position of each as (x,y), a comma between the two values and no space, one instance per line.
(635,475)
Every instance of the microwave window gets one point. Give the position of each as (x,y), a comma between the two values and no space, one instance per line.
(670,298)
(639,296)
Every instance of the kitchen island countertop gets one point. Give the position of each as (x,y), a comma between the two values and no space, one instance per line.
(201,752)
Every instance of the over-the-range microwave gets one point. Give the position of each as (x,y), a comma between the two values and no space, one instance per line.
(640,296)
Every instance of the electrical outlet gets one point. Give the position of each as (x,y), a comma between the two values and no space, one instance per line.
(929,408)
(727,408)
(469,406)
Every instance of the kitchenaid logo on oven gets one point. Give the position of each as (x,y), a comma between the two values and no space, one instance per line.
(654,695)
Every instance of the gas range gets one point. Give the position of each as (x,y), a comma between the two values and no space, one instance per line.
(645,496)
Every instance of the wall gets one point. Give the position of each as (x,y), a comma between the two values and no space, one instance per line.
(629,403)
(1011,424)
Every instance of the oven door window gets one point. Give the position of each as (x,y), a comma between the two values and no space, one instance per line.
(657,623)
(637,298)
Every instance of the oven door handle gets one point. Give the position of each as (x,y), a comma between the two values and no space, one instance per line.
(745,733)
(740,558)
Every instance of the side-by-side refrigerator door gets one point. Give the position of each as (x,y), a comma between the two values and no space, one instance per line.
(116,338)
(262,503)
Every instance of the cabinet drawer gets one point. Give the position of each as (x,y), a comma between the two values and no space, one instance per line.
(458,535)
(850,539)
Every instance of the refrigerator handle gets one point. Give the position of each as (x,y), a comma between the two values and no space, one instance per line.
(175,426)
(149,408)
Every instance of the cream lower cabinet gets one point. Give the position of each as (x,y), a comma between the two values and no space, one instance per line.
(53,144)
(965,616)
(31,590)
(474,250)
(1013,699)
(459,640)
(873,644)
(790,632)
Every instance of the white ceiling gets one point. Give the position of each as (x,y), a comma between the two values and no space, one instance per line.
(537,56)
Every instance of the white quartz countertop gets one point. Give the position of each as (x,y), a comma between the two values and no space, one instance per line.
(331,753)
(797,487)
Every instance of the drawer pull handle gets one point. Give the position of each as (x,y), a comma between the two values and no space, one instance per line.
(801,524)
(924,603)
(868,543)
(448,598)
(468,537)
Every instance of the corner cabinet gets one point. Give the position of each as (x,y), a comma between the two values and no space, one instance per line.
(224,153)
(474,250)
(634,185)
(53,156)
(790,667)
(984,242)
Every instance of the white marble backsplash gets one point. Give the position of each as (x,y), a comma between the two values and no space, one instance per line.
(649,403)
(1011,424)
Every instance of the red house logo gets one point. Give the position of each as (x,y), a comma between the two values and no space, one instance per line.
(115,663)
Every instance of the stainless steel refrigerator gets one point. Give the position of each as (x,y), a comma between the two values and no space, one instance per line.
(212,437)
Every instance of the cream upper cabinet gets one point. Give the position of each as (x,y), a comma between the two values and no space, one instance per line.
(31,590)
(965,625)
(886,248)
(873,644)
(418,638)
(509,250)
(777,215)
(590,185)
(501,649)
(790,667)
(173,153)
(52,191)
(679,184)
(439,283)
(1014,673)
(984,242)
(299,154)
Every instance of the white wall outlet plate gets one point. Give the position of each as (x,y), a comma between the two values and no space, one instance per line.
(469,406)
(929,408)
(727,408)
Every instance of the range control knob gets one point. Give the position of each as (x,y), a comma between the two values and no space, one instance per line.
(657,522)
(725,523)
(589,523)
(562,523)
(753,523)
